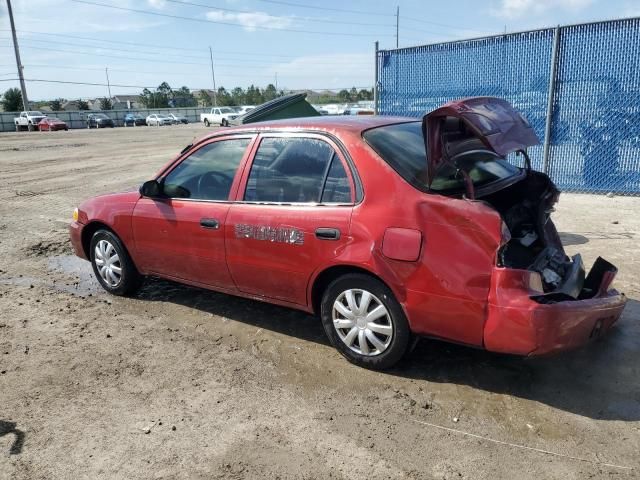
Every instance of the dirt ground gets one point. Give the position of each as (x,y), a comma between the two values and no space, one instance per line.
(184,383)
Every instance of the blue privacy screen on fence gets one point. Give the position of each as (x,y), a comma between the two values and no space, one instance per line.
(592,78)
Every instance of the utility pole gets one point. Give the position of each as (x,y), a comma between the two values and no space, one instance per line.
(213,78)
(398,26)
(23,86)
(106,70)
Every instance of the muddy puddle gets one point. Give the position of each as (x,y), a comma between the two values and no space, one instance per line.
(81,281)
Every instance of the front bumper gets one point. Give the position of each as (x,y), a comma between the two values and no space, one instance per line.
(518,324)
(75,235)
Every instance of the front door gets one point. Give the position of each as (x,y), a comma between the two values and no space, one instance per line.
(291,218)
(181,235)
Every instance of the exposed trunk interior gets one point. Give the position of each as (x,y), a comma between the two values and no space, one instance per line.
(525,207)
(535,244)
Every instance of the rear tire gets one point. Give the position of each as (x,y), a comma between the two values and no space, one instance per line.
(112,264)
(225,123)
(206,122)
(30,127)
(364,321)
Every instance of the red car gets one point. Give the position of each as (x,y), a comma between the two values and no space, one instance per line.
(387,228)
(52,123)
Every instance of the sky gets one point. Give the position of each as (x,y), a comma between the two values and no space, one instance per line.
(298,44)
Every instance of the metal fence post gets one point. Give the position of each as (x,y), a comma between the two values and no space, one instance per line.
(550,101)
(375,84)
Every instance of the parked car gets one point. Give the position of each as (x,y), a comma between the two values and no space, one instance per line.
(28,120)
(134,119)
(218,116)
(176,119)
(351,218)
(157,120)
(50,124)
(99,120)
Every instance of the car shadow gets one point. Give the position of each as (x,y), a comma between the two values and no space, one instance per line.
(7,428)
(598,381)
(262,315)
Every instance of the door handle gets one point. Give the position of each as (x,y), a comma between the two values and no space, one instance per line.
(328,233)
(210,223)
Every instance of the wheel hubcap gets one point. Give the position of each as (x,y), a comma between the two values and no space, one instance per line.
(362,322)
(108,262)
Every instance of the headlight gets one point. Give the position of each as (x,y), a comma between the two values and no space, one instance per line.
(75,214)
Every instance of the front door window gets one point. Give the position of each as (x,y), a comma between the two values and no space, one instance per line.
(207,174)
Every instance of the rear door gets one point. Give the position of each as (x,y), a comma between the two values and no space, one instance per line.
(291,217)
(182,235)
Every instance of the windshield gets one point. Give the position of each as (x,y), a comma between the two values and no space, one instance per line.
(402,147)
(100,115)
(226,110)
(33,114)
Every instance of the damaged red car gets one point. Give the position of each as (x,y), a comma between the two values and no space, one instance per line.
(386,228)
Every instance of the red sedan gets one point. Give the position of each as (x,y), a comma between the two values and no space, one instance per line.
(387,228)
(50,124)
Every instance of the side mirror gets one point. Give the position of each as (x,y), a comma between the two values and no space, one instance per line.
(151,189)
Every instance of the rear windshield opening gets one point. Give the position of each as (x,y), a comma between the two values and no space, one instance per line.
(402,147)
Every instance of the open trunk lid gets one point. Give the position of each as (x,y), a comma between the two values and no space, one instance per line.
(493,121)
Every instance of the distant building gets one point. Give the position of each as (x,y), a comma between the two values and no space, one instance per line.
(125,102)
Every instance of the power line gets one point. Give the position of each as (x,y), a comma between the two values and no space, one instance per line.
(304,19)
(96,84)
(342,10)
(240,64)
(136,44)
(445,25)
(217,22)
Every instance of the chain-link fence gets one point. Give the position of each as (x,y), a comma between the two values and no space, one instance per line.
(579,86)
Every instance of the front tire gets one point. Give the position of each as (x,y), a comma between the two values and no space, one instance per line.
(112,264)
(364,321)
(225,122)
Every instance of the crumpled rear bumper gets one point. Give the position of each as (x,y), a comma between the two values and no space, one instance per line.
(519,325)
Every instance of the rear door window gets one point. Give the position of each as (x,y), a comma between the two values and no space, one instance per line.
(297,170)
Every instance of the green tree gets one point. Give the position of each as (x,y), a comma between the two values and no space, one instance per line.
(343,96)
(365,94)
(56,105)
(160,98)
(82,105)
(12,100)
(238,96)
(353,94)
(270,93)
(223,97)
(106,104)
(204,98)
(183,98)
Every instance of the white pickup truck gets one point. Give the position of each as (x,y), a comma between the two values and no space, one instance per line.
(28,120)
(218,116)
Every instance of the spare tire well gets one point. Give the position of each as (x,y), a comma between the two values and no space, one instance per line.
(324,279)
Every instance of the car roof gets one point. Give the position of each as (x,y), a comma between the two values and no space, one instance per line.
(351,123)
